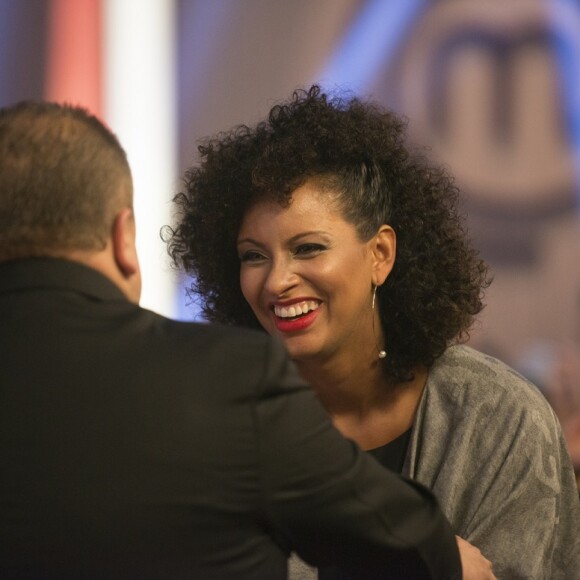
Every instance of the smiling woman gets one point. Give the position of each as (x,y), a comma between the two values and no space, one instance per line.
(320,226)
(308,276)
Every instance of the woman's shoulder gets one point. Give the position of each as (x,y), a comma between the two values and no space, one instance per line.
(465,376)
(478,415)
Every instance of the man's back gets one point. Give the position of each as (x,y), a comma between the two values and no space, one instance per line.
(130,436)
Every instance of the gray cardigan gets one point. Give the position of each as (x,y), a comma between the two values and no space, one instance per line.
(490,447)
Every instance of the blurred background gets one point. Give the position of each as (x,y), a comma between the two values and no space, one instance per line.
(491,89)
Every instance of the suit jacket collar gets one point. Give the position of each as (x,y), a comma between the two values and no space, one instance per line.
(56,273)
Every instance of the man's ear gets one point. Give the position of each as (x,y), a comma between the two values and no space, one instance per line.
(124,243)
(384,250)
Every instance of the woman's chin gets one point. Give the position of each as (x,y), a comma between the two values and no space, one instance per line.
(300,352)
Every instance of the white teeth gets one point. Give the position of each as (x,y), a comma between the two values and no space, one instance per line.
(296,309)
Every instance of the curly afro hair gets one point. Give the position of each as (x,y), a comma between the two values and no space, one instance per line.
(355,150)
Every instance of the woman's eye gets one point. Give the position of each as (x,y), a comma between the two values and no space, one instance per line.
(251,256)
(308,250)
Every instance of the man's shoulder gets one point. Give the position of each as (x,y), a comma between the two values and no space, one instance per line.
(211,349)
(168,329)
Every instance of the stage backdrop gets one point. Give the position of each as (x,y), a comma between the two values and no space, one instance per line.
(491,88)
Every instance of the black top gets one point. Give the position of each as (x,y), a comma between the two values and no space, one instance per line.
(392,455)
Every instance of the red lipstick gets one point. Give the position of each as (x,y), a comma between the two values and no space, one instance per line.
(295,324)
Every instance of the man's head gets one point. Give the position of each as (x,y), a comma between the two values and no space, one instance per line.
(66,191)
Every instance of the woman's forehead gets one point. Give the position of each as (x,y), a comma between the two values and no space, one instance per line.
(310,209)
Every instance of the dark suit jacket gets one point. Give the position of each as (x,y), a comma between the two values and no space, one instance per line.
(134,446)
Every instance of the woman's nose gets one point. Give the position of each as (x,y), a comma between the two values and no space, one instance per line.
(281,278)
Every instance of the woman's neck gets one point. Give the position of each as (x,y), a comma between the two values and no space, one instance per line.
(362,403)
(344,387)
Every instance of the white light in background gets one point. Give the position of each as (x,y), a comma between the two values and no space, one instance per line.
(139,65)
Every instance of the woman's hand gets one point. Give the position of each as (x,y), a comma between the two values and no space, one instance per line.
(475,565)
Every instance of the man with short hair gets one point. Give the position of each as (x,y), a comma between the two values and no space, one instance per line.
(133,446)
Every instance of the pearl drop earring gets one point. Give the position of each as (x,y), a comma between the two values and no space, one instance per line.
(382,353)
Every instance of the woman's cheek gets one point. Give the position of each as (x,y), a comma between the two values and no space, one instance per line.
(250,284)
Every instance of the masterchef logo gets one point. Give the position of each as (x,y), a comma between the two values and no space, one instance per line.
(490,87)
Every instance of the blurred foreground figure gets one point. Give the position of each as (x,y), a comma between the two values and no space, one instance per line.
(563,392)
(133,446)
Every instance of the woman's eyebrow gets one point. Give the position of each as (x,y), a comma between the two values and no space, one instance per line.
(290,240)
(248,240)
(297,237)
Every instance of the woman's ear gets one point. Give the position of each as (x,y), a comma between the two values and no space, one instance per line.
(384,249)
